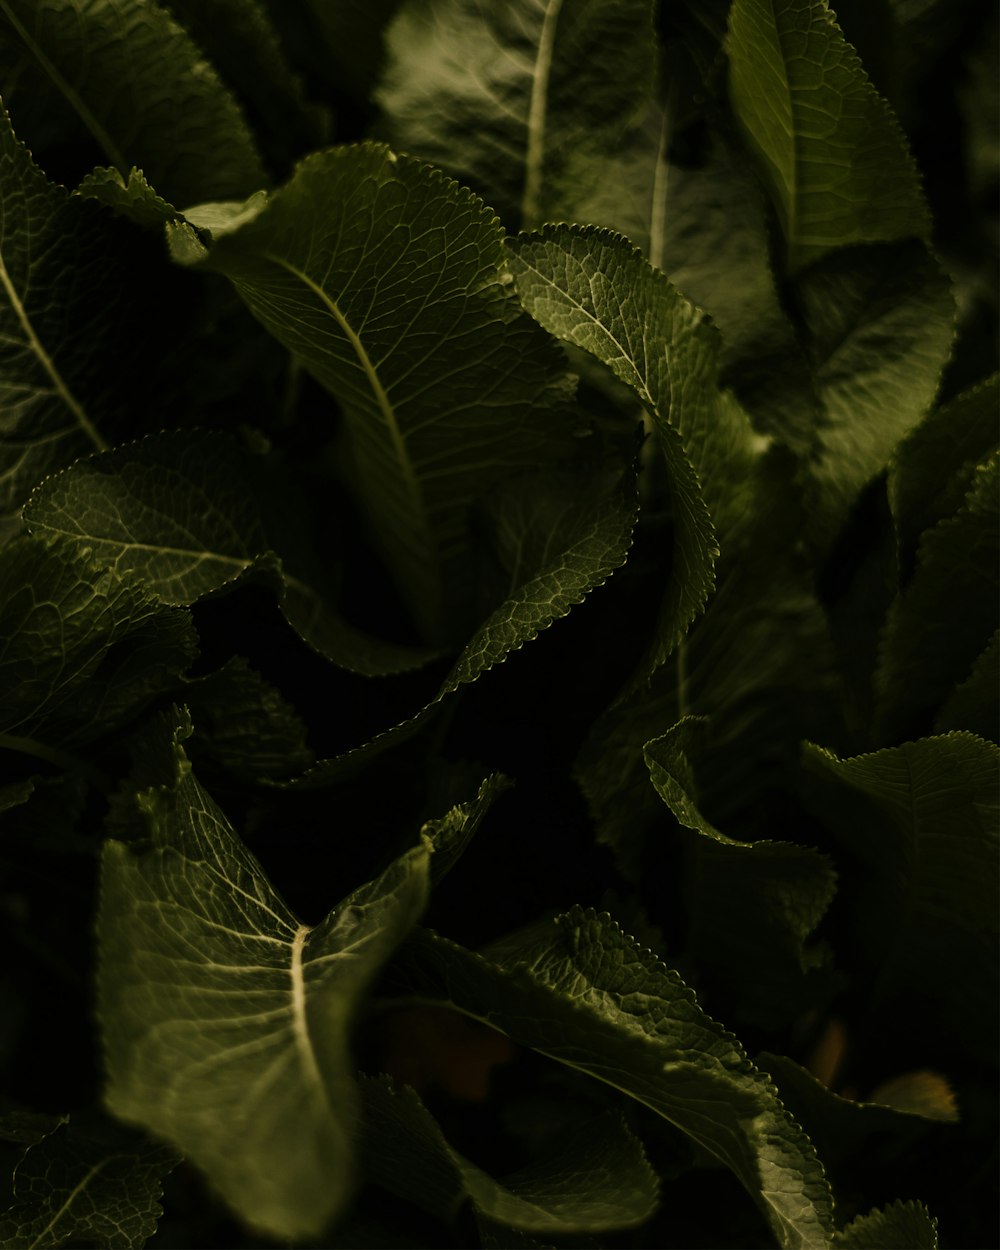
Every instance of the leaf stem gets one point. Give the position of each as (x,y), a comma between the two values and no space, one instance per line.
(54,755)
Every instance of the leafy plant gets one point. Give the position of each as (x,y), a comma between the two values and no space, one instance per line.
(353,896)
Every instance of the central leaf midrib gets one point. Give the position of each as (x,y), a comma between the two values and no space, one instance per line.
(385,405)
(46,361)
(537,107)
(76,102)
(300,1024)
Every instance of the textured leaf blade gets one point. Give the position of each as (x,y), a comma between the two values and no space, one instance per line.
(828,145)
(123,77)
(504,95)
(389,284)
(587,995)
(927,915)
(932,468)
(899,1226)
(597,1180)
(51,252)
(879,325)
(192,512)
(84,650)
(225,1020)
(87,1184)
(941,622)
(593,289)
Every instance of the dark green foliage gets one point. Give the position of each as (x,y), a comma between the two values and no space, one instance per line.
(498,730)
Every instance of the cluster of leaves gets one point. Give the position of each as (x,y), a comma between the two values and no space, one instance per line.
(311,428)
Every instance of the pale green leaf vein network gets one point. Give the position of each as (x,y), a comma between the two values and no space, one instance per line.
(537,108)
(104,140)
(378,390)
(71,1197)
(46,361)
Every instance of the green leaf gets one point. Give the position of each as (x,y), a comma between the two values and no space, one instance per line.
(450,834)
(925,914)
(245,48)
(758,664)
(879,324)
(753,905)
(941,622)
(592,289)
(505,96)
(828,146)
(899,1226)
(133,197)
(588,996)
(225,1020)
(244,725)
(593,1180)
(973,704)
(122,76)
(190,513)
(84,648)
(86,1184)
(558,536)
(54,265)
(389,284)
(705,227)
(933,467)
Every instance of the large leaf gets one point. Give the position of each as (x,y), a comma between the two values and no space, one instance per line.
(753,905)
(932,469)
(556,537)
(926,912)
(389,283)
(83,650)
(505,94)
(191,512)
(226,1020)
(879,324)
(828,146)
(57,260)
(594,290)
(588,996)
(123,78)
(942,621)
(86,1184)
(593,1180)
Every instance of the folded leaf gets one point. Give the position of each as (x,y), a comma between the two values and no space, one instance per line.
(85,648)
(941,622)
(591,288)
(595,1179)
(828,146)
(588,996)
(191,512)
(225,1020)
(388,282)
(94,1184)
(926,915)
(503,95)
(973,704)
(558,537)
(753,905)
(122,76)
